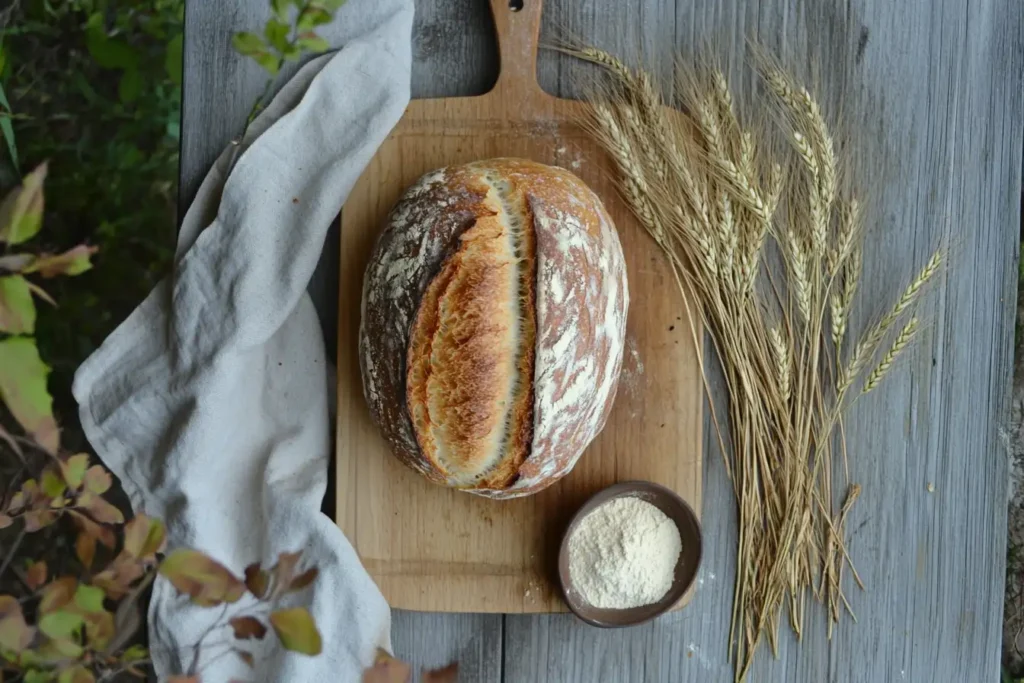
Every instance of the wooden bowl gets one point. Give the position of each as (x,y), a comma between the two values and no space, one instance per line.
(676,509)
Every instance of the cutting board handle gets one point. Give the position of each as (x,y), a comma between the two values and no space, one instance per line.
(517,24)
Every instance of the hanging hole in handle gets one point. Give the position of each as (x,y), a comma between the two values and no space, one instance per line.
(515,5)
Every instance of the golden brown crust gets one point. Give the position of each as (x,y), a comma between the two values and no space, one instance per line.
(462,361)
(493,322)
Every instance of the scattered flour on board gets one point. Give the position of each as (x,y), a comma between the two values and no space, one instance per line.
(631,377)
(569,158)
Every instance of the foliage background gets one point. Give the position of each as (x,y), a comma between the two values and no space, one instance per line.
(94,86)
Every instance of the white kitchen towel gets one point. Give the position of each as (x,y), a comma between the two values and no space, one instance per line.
(210,402)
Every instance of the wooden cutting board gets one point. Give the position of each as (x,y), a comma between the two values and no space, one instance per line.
(434,549)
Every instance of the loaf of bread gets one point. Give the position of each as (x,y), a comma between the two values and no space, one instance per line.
(493,323)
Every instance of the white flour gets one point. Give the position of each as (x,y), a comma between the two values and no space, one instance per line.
(623,554)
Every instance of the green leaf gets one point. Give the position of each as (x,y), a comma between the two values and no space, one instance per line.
(15,634)
(61,624)
(77,674)
(312,42)
(311,17)
(8,130)
(247,627)
(110,53)
(292,53)
(73,469)
(271,63)
(330,5)
(52,484)
(130,86)
(89,599)
(60,649)
(38,676)
(21,213)
(17,310)
(134,654)
(276,33)
(3,58)
(205,580)
(297,630)
(144,536)
(23,390)
(72,262)
(248,44)
(280,8)
(173,62)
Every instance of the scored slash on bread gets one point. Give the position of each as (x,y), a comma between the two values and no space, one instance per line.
(493,325)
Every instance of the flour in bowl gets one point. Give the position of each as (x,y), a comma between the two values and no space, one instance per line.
(623,554)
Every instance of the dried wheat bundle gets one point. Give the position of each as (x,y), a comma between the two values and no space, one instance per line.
(769,248)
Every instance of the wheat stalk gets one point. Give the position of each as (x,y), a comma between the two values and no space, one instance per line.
(798,267)
(900,344)
(709,195)
(782,362)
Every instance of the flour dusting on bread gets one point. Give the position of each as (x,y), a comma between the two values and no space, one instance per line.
(470,388)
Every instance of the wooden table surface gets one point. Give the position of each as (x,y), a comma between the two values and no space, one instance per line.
(932,92)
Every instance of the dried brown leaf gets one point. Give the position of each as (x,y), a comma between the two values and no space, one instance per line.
(117,579)
(283,572)
(257,580)
(447,674)
(15,633)
(387,669)
(35,575)
(85,549)
(58,594)
(38,519)
(97,480)
(100,509)
(202,578)
(144,536)
(247,627)
(74,261)
(99,532)
(304,579)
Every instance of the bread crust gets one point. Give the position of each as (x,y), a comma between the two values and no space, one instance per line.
(493,323)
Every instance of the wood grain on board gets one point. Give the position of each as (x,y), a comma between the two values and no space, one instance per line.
(437,549)
(931,92)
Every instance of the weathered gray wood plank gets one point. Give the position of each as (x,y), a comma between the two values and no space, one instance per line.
(932,93)
(219,89)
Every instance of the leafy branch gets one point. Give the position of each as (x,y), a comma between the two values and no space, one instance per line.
(286,37)
(57,626)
